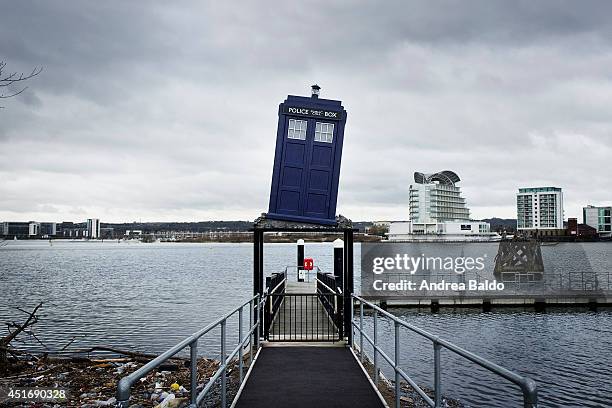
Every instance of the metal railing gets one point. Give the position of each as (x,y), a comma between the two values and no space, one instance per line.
(292,271)
(302,317)
(275,284)
(251,337)
(527,385)
(331,297)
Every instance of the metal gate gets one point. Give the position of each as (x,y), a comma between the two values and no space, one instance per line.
(303,317)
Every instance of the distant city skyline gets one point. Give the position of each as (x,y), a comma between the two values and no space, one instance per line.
(168,113)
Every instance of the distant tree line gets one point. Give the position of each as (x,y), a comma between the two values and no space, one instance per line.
(201,226)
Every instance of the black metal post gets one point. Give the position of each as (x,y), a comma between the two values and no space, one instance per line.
(300,259)
(339,282)
(258,282)
(266,306)
(338,261)
(348,282)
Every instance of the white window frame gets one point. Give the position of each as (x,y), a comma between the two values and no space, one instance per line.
(297,129)
(324,132)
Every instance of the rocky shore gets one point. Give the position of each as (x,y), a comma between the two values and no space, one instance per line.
(92,383)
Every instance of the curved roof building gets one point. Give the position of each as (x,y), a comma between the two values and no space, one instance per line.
(445,177)
(436,198)
(438,213)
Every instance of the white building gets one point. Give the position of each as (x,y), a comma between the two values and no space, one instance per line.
(93,228)
(438,212)
(599,218)
(34,229)
(436,198)
(539,208)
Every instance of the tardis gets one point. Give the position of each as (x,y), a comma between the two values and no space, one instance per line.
(307,159)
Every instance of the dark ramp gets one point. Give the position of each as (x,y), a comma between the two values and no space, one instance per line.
(309,377)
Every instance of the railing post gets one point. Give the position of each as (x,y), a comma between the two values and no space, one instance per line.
(361,330)
(397,361)
(223,363)
(193,372)
(251,333)
(339,304)
(375,347)
(257,322)
(437,382)
(240,341)
(350,319)
(530,394)
(268,316)
(123,393)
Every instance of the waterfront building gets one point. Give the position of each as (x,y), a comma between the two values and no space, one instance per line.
(30,229)
(93,228)
(42,229)
(540,209)
(34,229)
(436,198)
(48,229)
(16,229)
(599,218)
(438,212)
(583,232)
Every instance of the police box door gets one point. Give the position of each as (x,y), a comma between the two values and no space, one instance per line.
(320,164)
(307,168)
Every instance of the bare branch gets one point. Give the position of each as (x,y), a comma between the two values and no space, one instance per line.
(14,78)
(19,328)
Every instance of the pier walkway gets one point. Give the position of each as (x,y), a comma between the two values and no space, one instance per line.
(310,376)
(305,363)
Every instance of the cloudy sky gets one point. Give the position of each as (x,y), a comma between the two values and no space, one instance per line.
(160,111)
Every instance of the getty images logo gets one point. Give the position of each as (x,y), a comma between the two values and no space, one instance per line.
(410,264)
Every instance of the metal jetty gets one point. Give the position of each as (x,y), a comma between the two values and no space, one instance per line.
(301,342)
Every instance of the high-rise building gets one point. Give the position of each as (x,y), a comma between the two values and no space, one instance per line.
(539,208)
(436,198)
(438,212)
(93,228)
(599,218)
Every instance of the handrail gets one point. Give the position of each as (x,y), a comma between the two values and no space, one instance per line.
(297,268)
(527,385)
(125,384)
(327,287)
(277,286)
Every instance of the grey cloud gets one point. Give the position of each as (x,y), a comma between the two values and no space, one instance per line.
(169,110)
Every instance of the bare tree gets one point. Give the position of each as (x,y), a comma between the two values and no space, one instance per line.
(15,329)
(14,80)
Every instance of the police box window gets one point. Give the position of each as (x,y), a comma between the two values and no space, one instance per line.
(297,129)
(324,132)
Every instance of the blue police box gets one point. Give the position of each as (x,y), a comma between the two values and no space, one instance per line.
(307,159)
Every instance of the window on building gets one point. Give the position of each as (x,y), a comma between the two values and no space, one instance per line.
(324,132)
(297,129)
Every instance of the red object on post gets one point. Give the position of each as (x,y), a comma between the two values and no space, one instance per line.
(308,264)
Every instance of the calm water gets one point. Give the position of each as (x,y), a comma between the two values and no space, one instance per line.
(150,296)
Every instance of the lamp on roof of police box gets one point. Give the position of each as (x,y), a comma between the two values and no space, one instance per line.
(307,158)
(316,89)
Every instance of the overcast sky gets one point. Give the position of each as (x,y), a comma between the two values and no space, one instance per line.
(160,111)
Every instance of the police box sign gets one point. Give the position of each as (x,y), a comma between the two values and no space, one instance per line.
(312,113)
